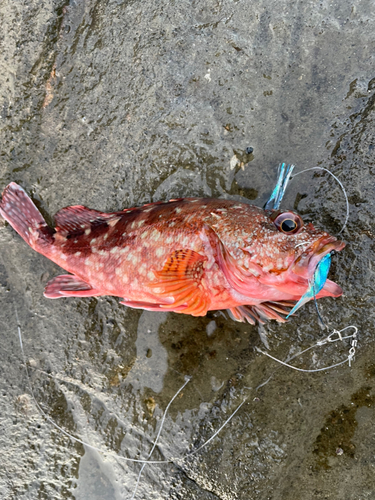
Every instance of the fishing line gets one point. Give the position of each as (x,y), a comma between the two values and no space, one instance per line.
(187,380)
(318,313)
(78,386)
(317,309)
(52,422)
(342,229)
(215,434)
(329,339)
(339,182)
(109,453)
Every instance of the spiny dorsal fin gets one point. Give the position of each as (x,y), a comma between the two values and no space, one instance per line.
(77,218)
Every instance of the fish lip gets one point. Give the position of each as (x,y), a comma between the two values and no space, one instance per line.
(305,264)
(327,245)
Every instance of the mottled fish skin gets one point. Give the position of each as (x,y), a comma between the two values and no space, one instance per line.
(188,255)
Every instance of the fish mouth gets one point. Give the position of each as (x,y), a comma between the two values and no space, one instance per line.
(307,262)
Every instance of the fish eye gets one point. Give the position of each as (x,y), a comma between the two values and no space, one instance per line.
(288,222)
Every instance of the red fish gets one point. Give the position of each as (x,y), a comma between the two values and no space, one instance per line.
(188,255)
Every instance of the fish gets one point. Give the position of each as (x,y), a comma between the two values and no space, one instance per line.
(186,255)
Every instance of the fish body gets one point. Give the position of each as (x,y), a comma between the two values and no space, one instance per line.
(187,255)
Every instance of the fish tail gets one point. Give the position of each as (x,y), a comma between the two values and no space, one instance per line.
(21,213)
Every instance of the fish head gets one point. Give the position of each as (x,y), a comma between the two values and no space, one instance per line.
(287,251)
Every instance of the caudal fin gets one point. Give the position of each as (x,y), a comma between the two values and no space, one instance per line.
(21,213)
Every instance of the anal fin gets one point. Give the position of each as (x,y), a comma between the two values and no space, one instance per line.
(69,285)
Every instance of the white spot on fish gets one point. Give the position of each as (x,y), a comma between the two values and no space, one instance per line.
(87,231)
(113,222)
(155,235)
(105,236)
(145,234)
(63,256)
(135,260)
(141,222)
(77,254)
(160,251)
(142,269)
(59,237)
(93,241)
(114,250)
(150,275)
(178,210)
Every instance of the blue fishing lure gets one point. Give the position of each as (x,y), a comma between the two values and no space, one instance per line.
(284,174)
(321,271)
(316,284)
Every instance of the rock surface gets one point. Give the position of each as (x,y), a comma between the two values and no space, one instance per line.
(112,103)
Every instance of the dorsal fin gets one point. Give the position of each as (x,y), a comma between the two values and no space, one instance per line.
(77,218)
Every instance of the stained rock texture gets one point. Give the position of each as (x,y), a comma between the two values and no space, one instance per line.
(112,104)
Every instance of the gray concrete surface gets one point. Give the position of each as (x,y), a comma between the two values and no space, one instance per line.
(117,103)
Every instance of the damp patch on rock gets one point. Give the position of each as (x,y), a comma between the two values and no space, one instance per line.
(336,435)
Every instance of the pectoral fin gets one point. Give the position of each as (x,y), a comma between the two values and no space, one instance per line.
(180,281)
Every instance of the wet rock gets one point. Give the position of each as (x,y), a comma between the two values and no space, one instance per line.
(116,103)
